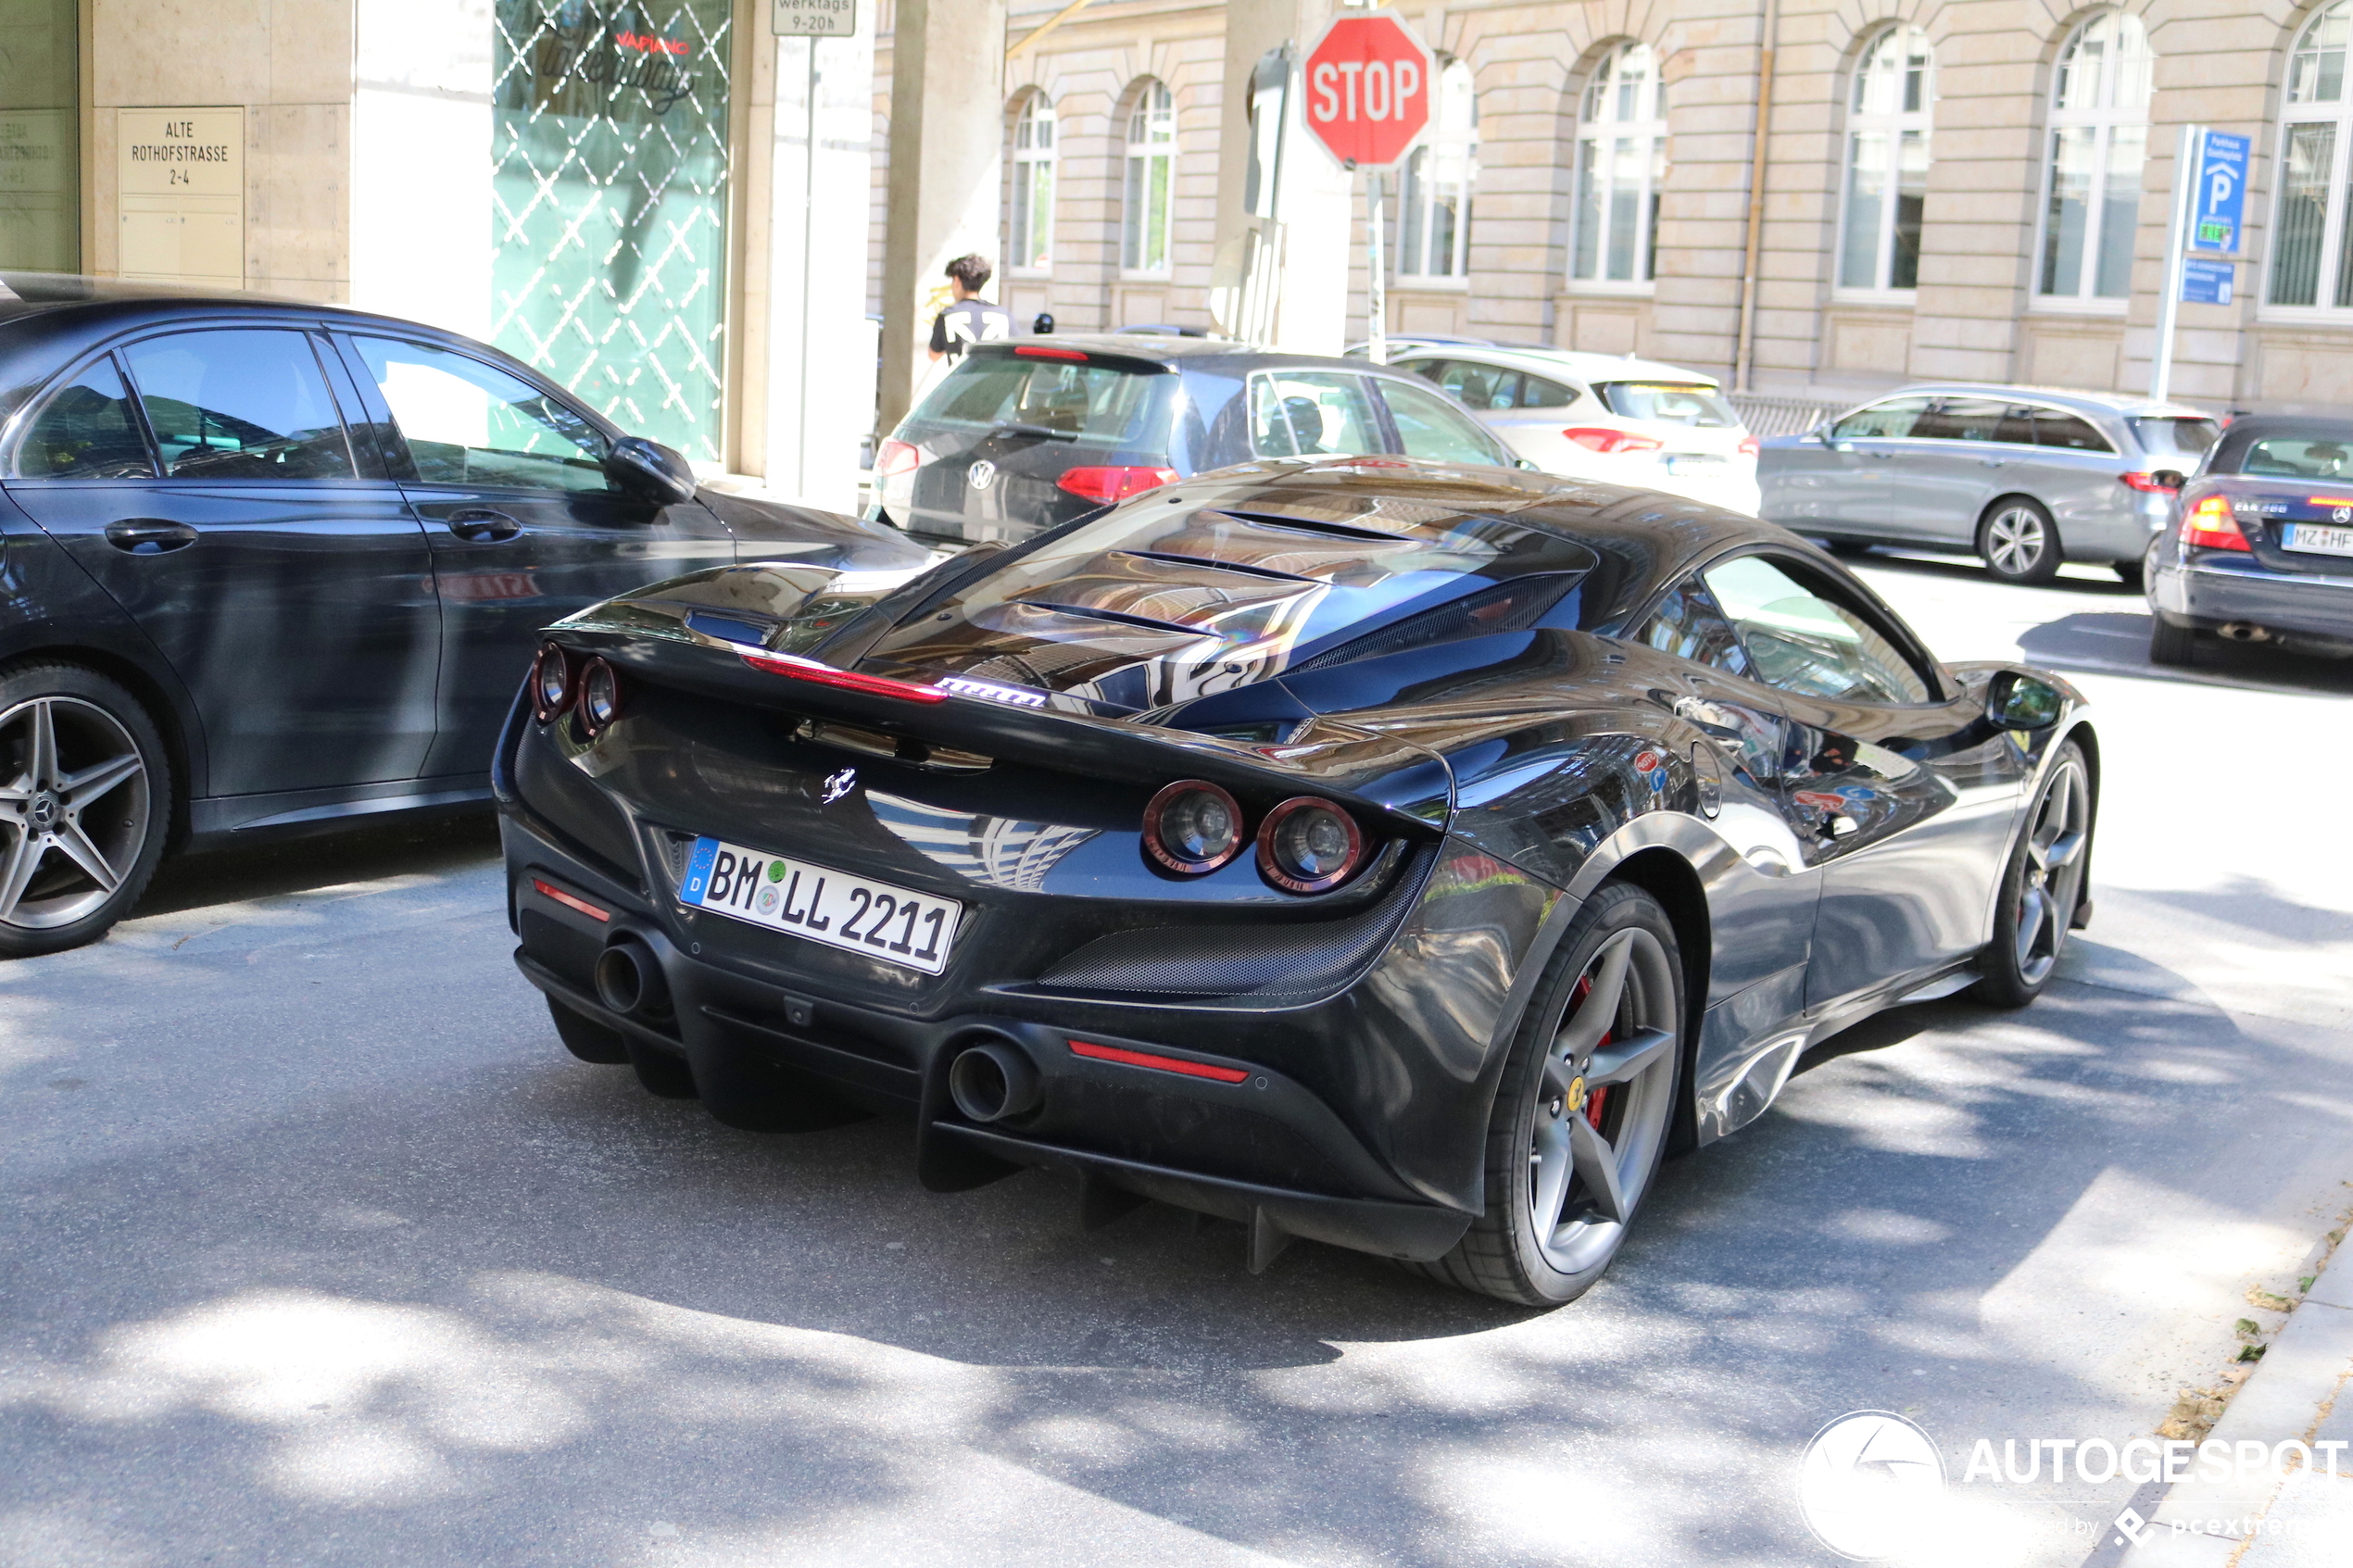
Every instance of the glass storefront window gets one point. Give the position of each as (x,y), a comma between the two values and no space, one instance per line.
(609,192)
(41,136)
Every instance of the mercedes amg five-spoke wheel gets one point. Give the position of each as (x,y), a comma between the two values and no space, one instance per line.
(1584,1110)
(2044,888)
(84,801)
(2019,543)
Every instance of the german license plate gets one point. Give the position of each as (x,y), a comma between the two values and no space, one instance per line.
(1692,463)
(820,904)
(2319,539)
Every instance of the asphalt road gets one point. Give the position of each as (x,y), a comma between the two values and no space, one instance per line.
(319,1251)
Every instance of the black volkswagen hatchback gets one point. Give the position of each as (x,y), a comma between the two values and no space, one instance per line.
(266,565)
(1033,433)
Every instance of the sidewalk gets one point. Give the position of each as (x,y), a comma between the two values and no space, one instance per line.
(2302,1389)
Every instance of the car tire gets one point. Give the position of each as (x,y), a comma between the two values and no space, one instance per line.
(2042,886)
(86,806)
(1846,549)
(2171,645)
(2019,543)
(1569,1159)
(587,1039)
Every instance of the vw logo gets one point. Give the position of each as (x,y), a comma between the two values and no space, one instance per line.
(981,475)
(840,784)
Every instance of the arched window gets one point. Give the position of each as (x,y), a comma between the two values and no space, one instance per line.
(2099,139)
(1434,221)
(2311,263)
(1887,163)
(1151,181)
(1621,162)
(1031,240)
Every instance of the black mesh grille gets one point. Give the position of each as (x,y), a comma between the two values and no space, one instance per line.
(1267,962)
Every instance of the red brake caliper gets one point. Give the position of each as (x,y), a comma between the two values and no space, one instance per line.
(1596,1100)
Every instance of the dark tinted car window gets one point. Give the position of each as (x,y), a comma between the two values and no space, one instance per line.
(1479,387)
(2168,436)
(1894,418)
(240,404)
(1106,405)
(1974,419)
(1429,427)
(470,423)
(86,431)
(1535,392)
(2054,429)
(1689,625)
(1802,638)
(2286,458)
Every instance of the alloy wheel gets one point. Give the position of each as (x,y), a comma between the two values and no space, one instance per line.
(2016,541)
(2052,880)
(1609,1079)
(74,804)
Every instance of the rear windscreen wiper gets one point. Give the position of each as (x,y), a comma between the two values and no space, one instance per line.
(1038,432)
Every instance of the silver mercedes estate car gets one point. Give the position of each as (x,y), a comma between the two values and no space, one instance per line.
(2027,478)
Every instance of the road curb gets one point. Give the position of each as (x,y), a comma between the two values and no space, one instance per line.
(2291,1392)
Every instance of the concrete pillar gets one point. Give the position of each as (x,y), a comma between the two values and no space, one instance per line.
(947,146)
(1309,235)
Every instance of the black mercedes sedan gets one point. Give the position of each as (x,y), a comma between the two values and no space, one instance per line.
(1398,854)
(2264,549)
(1033,433)
(267,565)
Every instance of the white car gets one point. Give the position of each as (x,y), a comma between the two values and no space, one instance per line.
(1602,415)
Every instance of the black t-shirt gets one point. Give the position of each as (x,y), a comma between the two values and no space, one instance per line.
(969,320)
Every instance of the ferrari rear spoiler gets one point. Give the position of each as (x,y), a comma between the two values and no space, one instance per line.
(1380,773)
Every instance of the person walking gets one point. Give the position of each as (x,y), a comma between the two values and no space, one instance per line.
(970,318)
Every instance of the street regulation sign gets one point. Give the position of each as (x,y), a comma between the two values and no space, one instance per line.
(2219,200)
(1368,85)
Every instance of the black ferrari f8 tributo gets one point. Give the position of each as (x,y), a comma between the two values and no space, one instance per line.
(1401,855)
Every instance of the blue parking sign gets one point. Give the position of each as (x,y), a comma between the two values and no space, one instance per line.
(2217,202)
(2206,282)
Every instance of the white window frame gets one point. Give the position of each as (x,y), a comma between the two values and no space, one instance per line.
(1036,159)
(2302,105)
(1630,114)
(1445,166)
(2112,106)
(1151,139)
(1893,113)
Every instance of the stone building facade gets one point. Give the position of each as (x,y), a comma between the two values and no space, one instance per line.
(1970,188)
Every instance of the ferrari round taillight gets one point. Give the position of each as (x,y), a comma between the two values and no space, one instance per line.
(1306,846)
(599,696)
(1192,827)
(550,684)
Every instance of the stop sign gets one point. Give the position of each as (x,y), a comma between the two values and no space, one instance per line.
(1368,90)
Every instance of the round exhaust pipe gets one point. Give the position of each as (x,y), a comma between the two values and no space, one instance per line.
(629,979)
(991,1082)
(2246,632)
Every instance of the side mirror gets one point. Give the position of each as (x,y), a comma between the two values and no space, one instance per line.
(2169,479)
(1530,464)
(650,471)
(2018,701)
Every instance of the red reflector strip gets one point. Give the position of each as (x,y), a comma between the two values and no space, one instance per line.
(1030,351)
(826,675)
(1160,1063)
(568,901)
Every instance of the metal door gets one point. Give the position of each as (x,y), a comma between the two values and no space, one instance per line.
(291,594)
